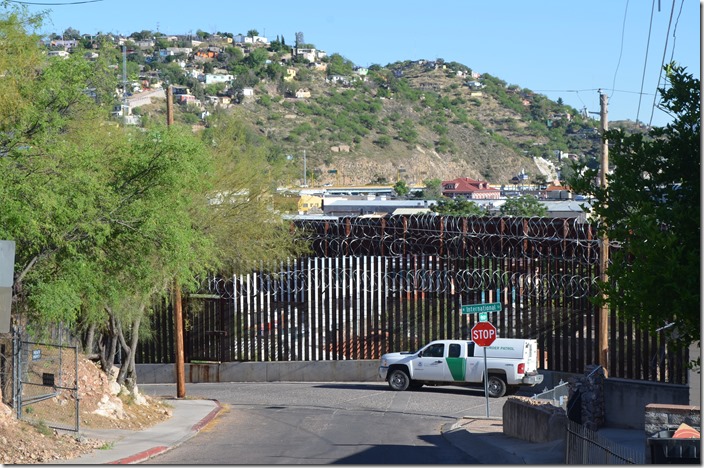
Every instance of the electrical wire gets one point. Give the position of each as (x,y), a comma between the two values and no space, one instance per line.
(620,54)
(53,4)
(664,52)
(674,32)
(647,49)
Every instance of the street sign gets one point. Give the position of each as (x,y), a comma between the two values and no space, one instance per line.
(477,308)
(483,334)
(483,317)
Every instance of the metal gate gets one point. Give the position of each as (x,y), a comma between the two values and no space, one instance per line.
(45,384)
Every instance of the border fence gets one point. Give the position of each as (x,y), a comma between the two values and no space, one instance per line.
(372,286)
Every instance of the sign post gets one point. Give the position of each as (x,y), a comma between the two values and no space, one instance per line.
(7,268)
(484,334)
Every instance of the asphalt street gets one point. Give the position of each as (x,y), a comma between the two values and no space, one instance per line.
(316,423)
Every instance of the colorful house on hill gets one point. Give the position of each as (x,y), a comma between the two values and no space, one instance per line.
(471,189)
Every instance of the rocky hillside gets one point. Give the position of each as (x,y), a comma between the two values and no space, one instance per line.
(410,120)
(414,122)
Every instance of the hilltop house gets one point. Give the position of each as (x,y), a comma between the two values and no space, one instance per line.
(470,189)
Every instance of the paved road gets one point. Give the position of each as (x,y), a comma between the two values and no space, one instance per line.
(315,423)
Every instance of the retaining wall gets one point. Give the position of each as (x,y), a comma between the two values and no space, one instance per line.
(533,421)
(297,371)
(625,400)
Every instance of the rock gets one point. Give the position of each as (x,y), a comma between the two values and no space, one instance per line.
(114,388)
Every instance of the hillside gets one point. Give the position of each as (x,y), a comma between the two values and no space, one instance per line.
(411,120)
(435,128)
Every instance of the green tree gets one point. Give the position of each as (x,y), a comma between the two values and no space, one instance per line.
(401,188)
(458,207)
(104,218)
(651,211)
(407,131)
(433,188)
(71,33)
(525,206)
(257,58)
(338,65)
(252,33)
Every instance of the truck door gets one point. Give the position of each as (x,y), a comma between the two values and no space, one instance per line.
(431,364)
(475,365)
(456,363)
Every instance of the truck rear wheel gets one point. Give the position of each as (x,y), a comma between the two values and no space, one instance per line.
(399,380)
(496,386)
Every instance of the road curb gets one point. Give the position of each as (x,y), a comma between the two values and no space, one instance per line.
(141,456)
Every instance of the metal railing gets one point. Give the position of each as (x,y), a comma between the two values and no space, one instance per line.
(585,447)
(558,396)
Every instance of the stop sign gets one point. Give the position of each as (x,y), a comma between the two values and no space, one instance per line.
(483,333)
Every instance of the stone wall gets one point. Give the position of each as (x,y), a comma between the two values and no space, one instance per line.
(659,416)
(591,390)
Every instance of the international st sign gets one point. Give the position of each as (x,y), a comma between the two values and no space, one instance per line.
(481,308)
(483,334)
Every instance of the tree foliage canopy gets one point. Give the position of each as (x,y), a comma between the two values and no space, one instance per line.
(525,206)
(458,207)
(651,213)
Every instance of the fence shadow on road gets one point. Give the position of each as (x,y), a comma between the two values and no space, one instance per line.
(445,389)
(438,451)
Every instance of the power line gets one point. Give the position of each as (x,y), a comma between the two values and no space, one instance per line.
(647,49)
(590,89)
(664,52)
(53,4)
(674,32)
(620,54)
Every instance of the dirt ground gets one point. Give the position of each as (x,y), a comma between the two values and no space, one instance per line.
(103,405)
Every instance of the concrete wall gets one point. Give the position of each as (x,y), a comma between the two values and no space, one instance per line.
(526,420)
(297,371)
(626,400)
(694,377)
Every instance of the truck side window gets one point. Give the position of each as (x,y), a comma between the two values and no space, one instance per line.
(454,350)
(436,350)
(470,349)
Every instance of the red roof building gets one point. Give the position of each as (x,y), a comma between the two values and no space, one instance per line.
(470,189)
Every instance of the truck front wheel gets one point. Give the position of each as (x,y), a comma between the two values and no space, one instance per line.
(496,386)
(399,380)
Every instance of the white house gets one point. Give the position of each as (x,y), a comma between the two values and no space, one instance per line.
(242,39)
(211,78)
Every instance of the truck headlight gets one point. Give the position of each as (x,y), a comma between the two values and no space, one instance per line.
(384,363)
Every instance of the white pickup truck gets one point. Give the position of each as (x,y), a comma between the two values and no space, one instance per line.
(511,363)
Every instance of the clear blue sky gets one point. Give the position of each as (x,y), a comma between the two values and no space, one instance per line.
(560,48)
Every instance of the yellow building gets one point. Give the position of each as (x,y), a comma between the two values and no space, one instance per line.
(308,202)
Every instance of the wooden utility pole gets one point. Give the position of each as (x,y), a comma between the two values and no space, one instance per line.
(169,105)
(178,309)
(604,257)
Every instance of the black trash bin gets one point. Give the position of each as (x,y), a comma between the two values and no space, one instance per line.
(666,450)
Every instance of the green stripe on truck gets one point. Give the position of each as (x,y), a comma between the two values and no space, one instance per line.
(458,367)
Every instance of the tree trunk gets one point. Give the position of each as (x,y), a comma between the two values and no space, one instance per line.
(89,342)
(108,344)
(127,375)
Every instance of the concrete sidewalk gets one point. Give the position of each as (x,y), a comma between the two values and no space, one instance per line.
(126,447)
(483,439)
